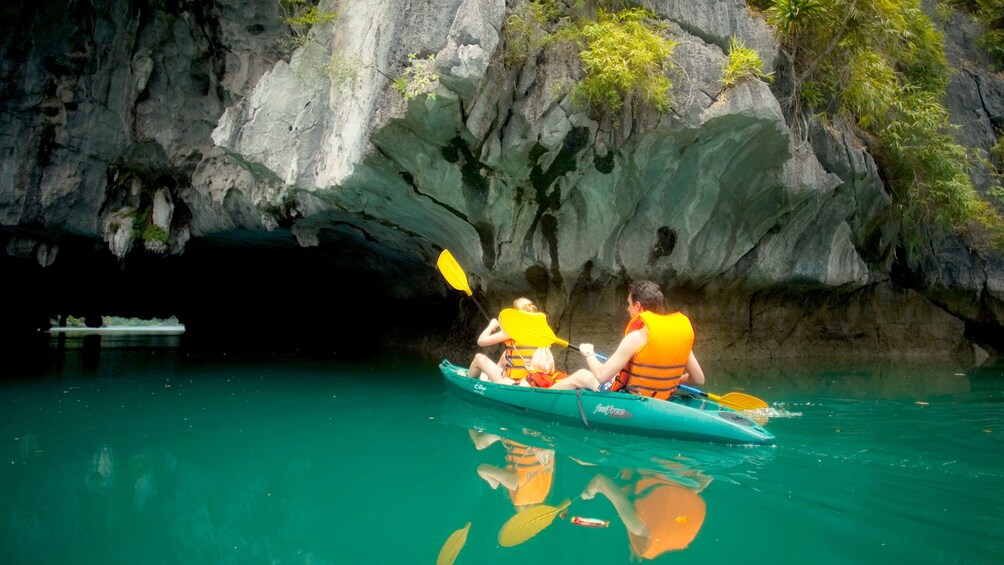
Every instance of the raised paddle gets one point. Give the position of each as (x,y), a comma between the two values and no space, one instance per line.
(456,277)
(534,331)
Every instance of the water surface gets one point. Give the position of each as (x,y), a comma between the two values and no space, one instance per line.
(142,453)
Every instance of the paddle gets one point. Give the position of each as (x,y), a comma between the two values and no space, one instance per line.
(528,523)
(534,331)
(448,553)
(456,277)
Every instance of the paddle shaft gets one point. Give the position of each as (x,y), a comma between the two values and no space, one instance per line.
(480,307)
(687,388)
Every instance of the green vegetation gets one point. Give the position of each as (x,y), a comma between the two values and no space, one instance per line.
(153,232)
(418,78)
(115,321)
(301,16)
(997,151)
(624,55)
(990,13)
(342,69)
(743,63)
(134,187)
(525,30)
(881,64)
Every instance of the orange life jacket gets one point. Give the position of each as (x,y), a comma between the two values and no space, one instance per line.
(533,475)
(656,369)
(543,379)
(517,357)
(673,513)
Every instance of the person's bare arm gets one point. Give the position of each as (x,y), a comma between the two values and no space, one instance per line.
(625,510)
(606,371)
(496,476)
(493,334)
(694,375)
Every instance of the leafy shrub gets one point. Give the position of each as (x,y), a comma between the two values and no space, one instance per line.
(418,78)
(154,232)
(301,16)
(792,17)
(743,63)
(525,30)
(624,55)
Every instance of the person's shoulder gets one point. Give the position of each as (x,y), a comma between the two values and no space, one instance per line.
(637,337)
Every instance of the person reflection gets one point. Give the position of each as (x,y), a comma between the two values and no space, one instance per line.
(528,473)
(659,514)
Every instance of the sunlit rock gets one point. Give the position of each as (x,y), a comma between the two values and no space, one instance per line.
(205,132)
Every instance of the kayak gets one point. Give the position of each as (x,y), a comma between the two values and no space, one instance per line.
(684,416)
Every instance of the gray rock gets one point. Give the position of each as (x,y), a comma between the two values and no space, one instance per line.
(197,117)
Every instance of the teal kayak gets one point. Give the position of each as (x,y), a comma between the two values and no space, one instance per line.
(683,417)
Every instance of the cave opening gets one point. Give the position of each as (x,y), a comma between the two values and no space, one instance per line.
(347,296)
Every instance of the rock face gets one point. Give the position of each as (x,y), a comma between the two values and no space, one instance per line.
(181,130)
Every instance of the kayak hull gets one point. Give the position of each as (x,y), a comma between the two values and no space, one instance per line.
(683,417)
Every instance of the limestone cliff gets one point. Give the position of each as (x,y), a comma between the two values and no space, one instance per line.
(181,130)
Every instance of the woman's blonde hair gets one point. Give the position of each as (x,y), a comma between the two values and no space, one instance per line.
(524,305)
(542,361)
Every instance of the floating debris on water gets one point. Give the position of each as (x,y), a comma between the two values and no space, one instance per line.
(590,522)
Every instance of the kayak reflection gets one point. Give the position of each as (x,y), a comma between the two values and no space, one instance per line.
(652,486)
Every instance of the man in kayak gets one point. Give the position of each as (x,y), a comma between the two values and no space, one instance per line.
(511,367)
(656,354)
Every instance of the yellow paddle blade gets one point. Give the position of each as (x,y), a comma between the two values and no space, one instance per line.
(528,329)
(528,523)
(451,549)
(739,401)
(452,272)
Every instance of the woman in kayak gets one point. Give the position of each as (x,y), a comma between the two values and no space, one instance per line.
(511,367)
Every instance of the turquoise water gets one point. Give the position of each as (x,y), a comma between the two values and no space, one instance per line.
(141,453)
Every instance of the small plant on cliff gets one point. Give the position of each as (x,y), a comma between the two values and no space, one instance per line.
(525,30)
(301,16)
(341,69)
(418,78)
(743,63)
(154,232)
(624,55)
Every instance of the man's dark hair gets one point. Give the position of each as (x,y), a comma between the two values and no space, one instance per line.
(649,294)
